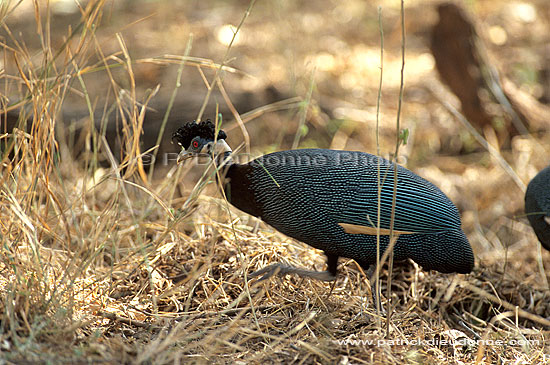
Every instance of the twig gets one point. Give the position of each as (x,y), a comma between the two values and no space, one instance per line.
(128,321)
(397,144)
(379,191)
(509,306)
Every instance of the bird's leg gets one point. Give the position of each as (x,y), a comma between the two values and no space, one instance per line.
(332,267)
(280,269)
(370,270)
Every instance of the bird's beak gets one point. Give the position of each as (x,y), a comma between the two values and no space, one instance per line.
(184,155)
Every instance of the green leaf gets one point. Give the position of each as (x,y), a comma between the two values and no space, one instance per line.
(404,135)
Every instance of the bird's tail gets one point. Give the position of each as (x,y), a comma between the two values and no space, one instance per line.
(447,251)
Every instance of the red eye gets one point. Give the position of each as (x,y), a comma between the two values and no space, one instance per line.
(195,144)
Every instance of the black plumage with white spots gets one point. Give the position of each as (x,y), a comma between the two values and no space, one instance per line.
(308,193)
(537,206)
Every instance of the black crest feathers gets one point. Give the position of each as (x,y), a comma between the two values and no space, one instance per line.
(190,130)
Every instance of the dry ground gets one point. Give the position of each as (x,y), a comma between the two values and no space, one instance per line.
(104,260)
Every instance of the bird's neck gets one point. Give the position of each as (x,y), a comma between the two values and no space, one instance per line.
(237,182)
(226,156)
(234,179)
(222,153)
(224,159)
(224,162)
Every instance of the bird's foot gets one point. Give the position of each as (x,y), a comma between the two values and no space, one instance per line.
(370,271)
(280,269)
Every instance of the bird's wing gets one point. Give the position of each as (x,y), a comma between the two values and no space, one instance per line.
(420,207)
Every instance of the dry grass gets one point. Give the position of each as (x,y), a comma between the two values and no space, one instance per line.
(108,265)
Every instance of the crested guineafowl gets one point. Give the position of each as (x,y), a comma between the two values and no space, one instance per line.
(328,199)
(537,206)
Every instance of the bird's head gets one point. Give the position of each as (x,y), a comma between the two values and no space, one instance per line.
(198,139)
